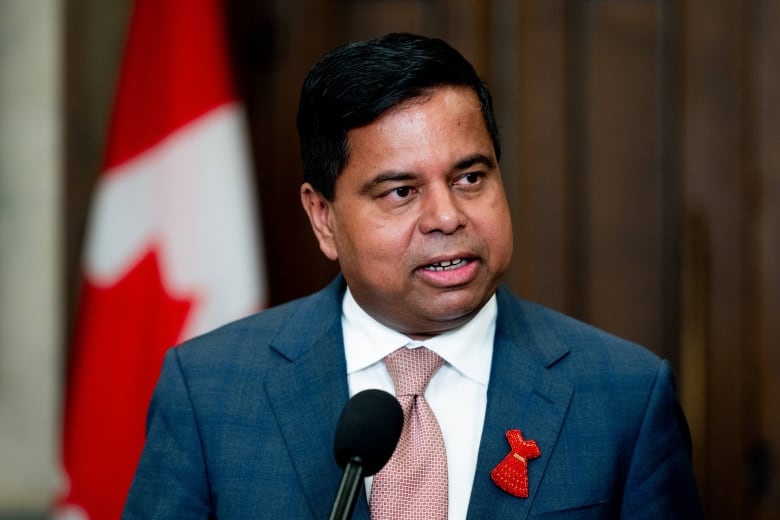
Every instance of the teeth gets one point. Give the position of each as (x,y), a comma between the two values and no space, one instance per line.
(445,265)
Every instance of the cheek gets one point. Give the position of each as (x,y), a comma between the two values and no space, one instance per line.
(379,242)
(496,227)
(507,244)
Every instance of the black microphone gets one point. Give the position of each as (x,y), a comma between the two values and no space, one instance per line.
(366,436)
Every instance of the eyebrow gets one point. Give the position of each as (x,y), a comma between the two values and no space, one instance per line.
(474,159)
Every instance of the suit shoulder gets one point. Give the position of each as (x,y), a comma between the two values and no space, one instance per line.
(574,343)
(249,338)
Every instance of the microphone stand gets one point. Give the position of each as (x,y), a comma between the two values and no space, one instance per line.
(344,504)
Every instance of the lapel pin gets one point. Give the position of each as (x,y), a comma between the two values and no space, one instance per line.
(511,474)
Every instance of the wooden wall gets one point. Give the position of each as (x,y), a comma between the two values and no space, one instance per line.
(642,163)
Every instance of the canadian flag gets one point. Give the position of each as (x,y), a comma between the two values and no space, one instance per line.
(172,248)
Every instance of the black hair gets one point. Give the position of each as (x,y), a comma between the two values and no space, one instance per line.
(356,83)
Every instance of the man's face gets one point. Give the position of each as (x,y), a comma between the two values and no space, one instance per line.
(419,223)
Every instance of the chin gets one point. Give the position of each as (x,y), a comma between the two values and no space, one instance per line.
(448,317)
(460,303)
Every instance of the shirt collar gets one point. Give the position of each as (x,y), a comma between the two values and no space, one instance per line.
(468,348)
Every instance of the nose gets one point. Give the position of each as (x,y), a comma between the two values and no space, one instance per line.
(441,211)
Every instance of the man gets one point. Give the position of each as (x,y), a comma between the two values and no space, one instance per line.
(540,415)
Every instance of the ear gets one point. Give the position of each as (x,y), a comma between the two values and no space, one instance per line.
(320,212)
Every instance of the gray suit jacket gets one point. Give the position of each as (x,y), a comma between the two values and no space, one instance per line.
(242,420)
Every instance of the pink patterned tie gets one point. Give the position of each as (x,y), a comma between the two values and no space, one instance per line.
(413,484)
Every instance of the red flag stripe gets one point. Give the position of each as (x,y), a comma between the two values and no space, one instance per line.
(175,69)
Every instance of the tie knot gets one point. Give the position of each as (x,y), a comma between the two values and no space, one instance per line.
(412,368)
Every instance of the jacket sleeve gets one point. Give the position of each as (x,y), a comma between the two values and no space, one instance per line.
(660,481)
(171,479)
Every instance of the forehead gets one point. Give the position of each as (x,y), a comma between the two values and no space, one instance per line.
(443,119)
(441,96)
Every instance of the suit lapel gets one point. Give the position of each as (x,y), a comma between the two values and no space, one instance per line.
(307,404)
(307,393)
(524,395)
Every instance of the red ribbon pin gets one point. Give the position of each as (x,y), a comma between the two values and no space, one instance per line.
(511,474)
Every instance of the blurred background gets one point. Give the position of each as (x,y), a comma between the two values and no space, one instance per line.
(641,159)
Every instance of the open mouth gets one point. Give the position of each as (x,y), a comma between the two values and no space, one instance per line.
(447,265)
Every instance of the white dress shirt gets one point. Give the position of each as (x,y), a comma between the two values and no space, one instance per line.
(457,393)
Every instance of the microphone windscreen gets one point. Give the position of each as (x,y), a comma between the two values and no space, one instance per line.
(369,428)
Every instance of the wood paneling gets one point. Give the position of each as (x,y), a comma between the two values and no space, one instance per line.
(620,176)
(713,195)
(537,158)
(762,227)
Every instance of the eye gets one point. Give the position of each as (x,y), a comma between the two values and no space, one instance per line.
(472,177)
(402,192)
(398,194)
(469,179)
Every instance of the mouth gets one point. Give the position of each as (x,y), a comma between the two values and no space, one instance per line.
(447,265)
